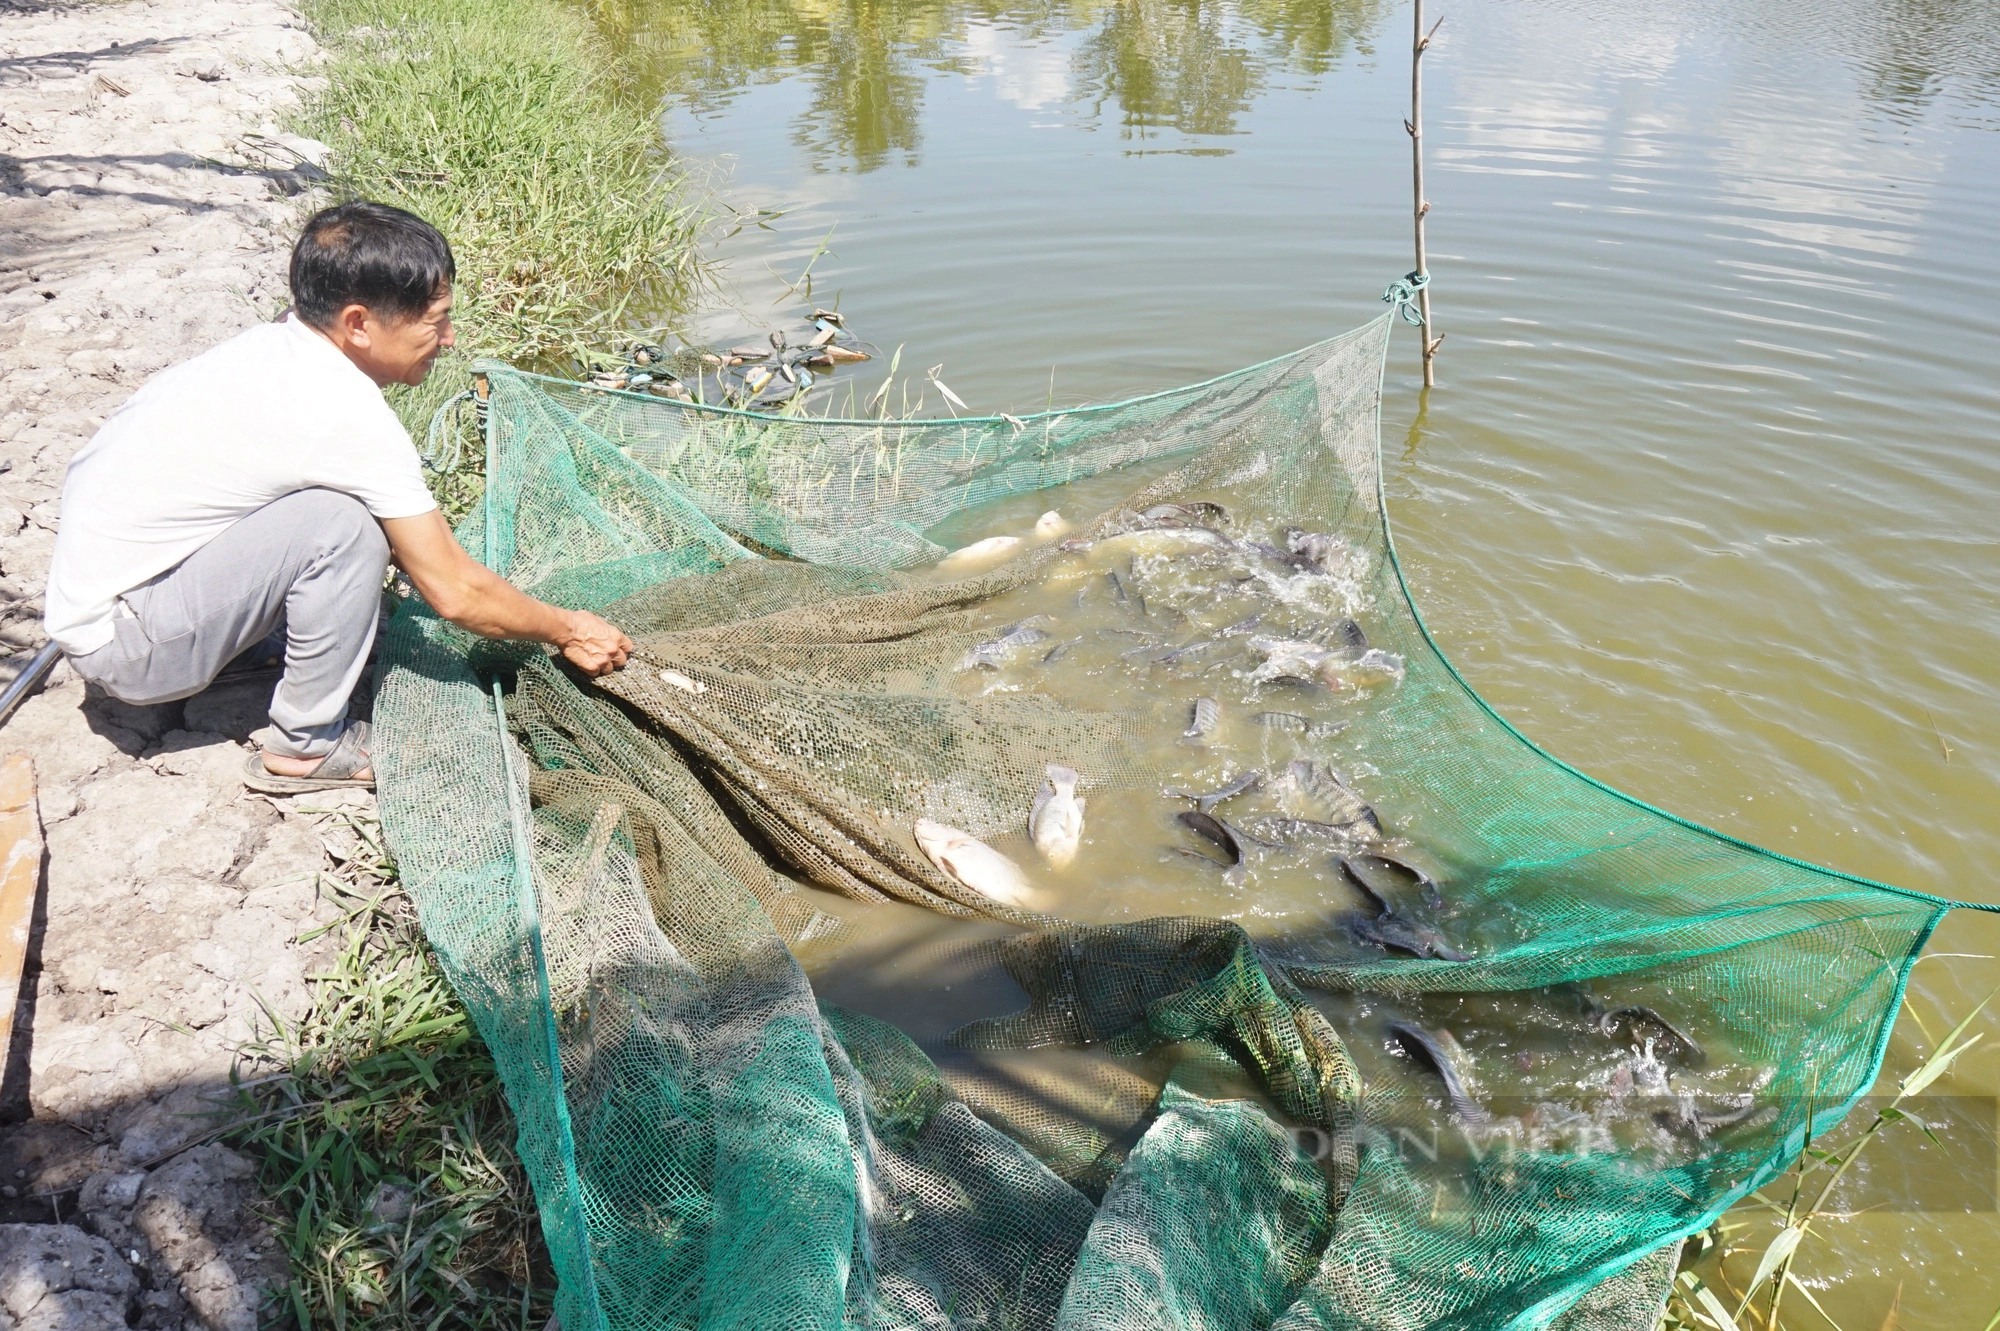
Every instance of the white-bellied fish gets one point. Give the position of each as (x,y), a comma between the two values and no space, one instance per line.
(971,863)
(1161,542)
(980,555)
(1050,525)
(1291,660)
(1055,823)
(682,682)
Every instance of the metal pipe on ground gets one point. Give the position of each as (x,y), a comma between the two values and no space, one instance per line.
(29,679)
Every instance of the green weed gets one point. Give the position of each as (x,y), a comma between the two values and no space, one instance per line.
(384,1145)
(511,126)
(1695,1304)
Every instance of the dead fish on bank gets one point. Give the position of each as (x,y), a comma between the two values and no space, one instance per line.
(1293,723)
(996,652)
(1439,1052)
(980,555)
(1386,879)
(1645,1024)
(971,863)
(1207,717)
(1055,823)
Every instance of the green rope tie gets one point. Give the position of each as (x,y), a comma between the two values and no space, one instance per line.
(1402,294)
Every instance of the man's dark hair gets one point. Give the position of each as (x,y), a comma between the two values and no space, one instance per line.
(393,262)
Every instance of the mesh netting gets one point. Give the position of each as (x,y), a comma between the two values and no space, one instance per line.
(1420,1029)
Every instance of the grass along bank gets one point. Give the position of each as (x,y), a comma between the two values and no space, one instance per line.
(510,125)
(384,1145)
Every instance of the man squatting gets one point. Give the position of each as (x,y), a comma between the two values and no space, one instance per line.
(249,501)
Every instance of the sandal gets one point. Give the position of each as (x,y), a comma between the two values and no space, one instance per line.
(336,771)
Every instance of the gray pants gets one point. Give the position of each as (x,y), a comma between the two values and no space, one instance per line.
(312,562)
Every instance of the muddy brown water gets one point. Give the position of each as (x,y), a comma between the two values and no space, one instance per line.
(1705,499)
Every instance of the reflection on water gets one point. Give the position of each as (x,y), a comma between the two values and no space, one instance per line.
(1705,500)
(1145,65)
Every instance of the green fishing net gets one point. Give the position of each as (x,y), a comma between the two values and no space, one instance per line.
(1423,1029)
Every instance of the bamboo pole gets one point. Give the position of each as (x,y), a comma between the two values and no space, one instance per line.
(1415,125)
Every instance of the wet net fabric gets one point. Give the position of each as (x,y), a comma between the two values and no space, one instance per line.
(1174,1119)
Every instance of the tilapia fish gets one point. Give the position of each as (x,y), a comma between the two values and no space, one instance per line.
(1387,879)
(1050,525)
(1213,830)
(1316,549)
(1393,931)
(1311,790)
(1206,718)
(1055,823)
(1293,723)
(1441,1054)
(996,652)
(1296,833)
(1206,800)
(970,862)
(1198,513)
(1293,661)
(1642,1023)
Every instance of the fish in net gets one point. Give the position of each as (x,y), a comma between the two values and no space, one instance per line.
(1338,1004)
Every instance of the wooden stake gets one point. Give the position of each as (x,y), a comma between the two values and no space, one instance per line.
(1415,125)
(20,875)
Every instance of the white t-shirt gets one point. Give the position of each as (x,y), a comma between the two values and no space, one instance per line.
(274,410)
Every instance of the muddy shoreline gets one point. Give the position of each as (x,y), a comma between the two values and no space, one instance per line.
(148,193)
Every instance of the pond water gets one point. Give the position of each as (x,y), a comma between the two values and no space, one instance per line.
(1705,498)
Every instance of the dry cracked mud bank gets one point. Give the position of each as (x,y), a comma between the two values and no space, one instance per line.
(147,199)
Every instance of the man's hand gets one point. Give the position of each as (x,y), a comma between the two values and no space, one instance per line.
(594,646)
(480,601)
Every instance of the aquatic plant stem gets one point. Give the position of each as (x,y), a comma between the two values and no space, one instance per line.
(1421,206)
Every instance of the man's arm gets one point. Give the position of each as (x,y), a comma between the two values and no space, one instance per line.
(480,601)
